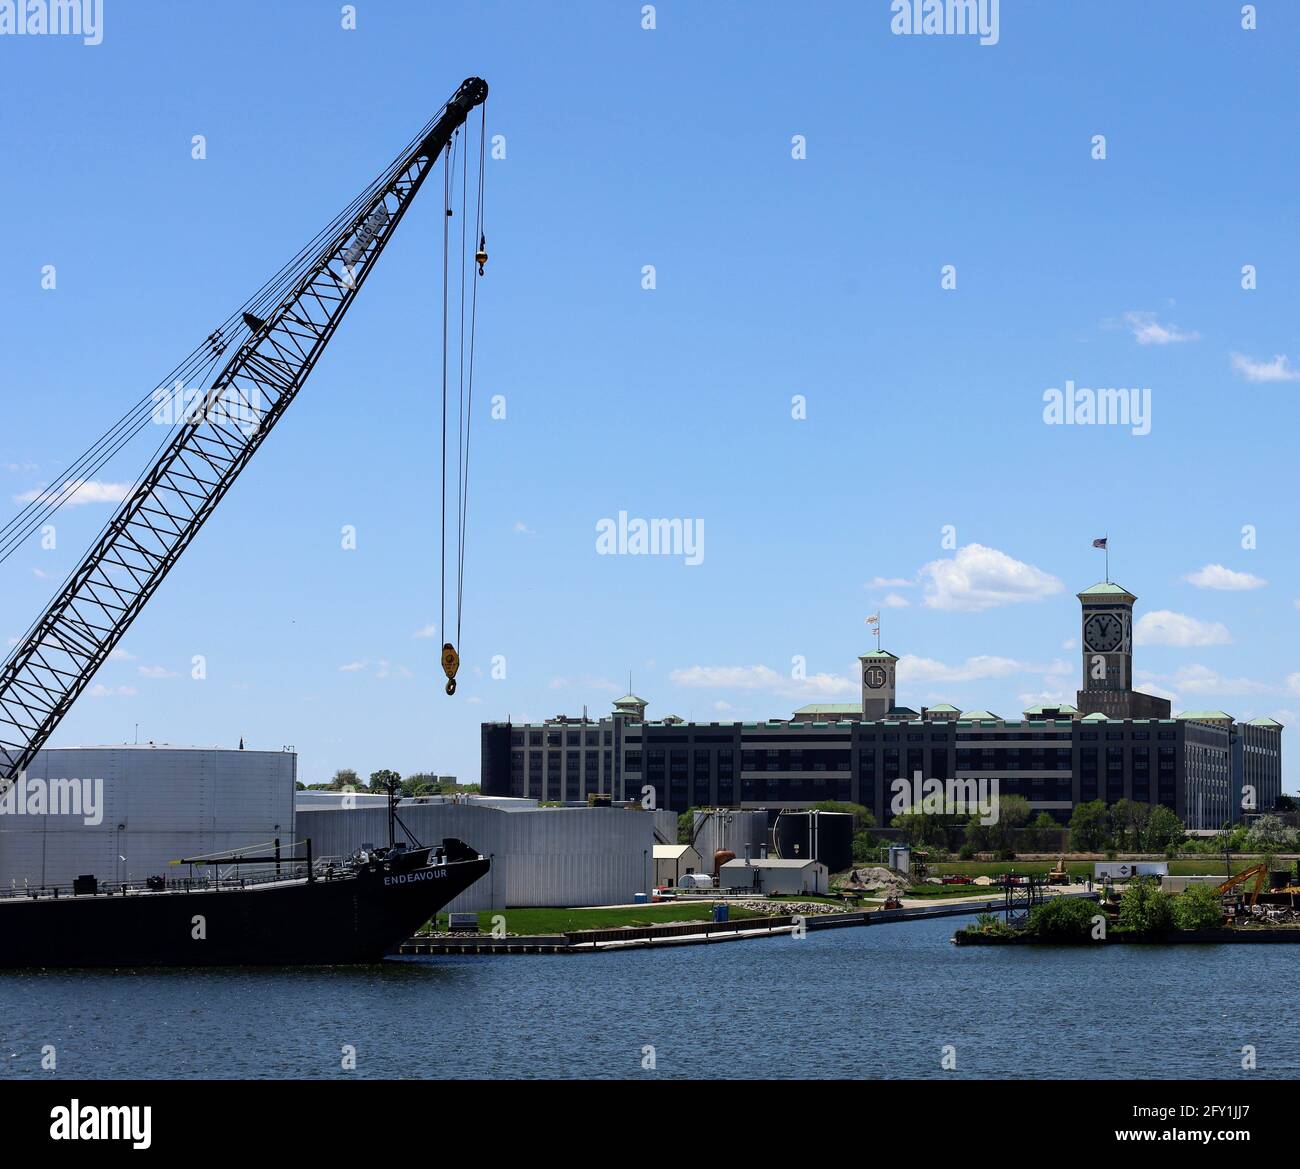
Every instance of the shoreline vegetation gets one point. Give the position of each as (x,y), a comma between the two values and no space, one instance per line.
(1144,914)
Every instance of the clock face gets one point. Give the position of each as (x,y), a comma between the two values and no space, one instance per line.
(874,676)
(1102,632)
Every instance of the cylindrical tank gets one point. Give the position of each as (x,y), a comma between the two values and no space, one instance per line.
(820,836)
(729,828)
(720,858)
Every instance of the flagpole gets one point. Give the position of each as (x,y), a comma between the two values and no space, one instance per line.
(1108,559)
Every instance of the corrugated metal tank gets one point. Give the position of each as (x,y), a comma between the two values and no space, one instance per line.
(156,804)
(731,830)
(540,856)
(823,836)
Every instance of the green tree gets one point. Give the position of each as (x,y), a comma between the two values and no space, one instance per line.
(864,848)
(1090,827)
(978,837)
(345,777)
(1145,908)
(1128,820)
(1013,814)
(1198,907)
(1044,833)
(1268,834)
(421,783)
(385,780)
(920,827)
(1164,830)
(685,826)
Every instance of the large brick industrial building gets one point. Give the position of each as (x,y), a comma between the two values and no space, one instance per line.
(1115,743)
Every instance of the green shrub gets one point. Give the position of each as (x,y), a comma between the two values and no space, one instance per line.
(1198,907)
(1062,917)
(1144,908)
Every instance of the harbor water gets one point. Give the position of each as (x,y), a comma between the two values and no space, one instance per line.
(877,1002)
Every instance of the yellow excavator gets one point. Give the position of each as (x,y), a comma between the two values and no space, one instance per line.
(1260,875)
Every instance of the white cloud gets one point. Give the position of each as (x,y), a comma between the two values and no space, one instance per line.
(894,601)
(1277,370)
(1215,576)
(426,631)
(1149,684)
(27,468)
(1201,682)
(1163,627)
(722,705)
(811,688)
(584,682)
(352,667)
(101,691)
(156,672)
(41,574)
(1293,683)
(1149,331)
(1070,643)
(979,578)
(85,491)
(120,655)
(523,529)
(888,582)
(917,671)
(1046,698)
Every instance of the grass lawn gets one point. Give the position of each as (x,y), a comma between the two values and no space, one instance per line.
(1183,867)
(559,921)
(939,892)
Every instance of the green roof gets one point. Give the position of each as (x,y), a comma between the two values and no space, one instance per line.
(880,653)
(1042,707)
(980,715)
(1106,588)
(1095,717)
(1264,722)
(1204,715)
(630,698)
(943,706)
(830,708)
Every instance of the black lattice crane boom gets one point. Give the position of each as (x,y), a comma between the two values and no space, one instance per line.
(62,651)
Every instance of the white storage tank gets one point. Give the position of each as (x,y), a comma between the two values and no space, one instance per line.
(122,813)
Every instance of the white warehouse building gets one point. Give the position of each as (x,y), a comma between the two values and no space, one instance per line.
(540,856)
(133,809)
(126,812)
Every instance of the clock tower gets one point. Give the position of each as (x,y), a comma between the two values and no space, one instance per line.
(877,683)
(1106,643)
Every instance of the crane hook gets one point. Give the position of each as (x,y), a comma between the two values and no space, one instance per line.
(450,664)
(480,257)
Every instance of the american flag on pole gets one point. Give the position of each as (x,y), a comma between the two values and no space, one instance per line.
(1100,543)
(874,619)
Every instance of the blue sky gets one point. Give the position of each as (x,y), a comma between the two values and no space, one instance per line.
(775,277)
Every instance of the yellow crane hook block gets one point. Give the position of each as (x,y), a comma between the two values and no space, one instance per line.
(450,664)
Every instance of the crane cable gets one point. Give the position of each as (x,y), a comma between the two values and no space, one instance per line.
(464,371)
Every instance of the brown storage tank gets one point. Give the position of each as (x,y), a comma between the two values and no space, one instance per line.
(720,858)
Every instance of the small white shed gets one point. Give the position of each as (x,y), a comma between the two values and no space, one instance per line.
(673,862)
(774,875)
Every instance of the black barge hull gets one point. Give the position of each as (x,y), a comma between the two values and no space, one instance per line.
(343,919)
